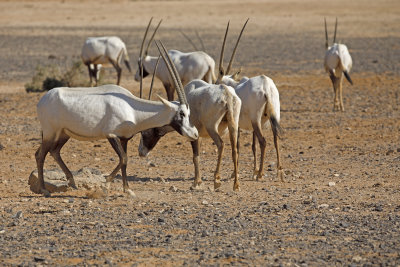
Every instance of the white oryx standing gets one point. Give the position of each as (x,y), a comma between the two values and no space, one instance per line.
(214,110)
(98,51)
(190,66)
(260,104)
(337,62)
(106,112)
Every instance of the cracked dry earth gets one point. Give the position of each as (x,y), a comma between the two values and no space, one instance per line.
(339,204)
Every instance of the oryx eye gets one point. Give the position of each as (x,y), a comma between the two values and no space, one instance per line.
(182,114)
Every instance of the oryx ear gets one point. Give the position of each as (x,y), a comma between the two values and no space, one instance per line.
(165,102)
(235,76)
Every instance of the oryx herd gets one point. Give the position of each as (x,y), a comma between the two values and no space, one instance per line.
(207,106)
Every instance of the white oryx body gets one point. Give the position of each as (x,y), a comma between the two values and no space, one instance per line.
(99,112)
(337,62)
(214,110)
(106,112)
(260,104)
(98,51)
(190,66)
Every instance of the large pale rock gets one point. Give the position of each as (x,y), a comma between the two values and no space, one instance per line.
(55,181)
(52,185)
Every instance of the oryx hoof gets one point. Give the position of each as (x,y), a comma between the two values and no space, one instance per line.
(255,174)
(281,175)
(45,192)
(109,179)
(130,193)
(72,184)
(217,184)
(197,186)
(236,187)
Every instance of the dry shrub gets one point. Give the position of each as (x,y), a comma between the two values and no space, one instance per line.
(50,76)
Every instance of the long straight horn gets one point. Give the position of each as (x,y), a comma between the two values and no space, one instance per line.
(144,38)
(334,36)
(234,50)
(180,92)
(189,40)
(152,78)
(201,41)
(166,59)
(151,38)
(326,36)
(221,57)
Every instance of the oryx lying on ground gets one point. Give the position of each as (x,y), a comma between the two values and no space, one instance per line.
(106,112)
(337,62)
(260,103)
(190,66)
(98,51)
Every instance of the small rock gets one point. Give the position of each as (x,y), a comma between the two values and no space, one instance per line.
(38,259)
(18,215)
(336,175)
(331,183)
(357,259)
(173,189)
(389,152)
(151,164)
(205,202)
(161,220)
(1,147)
(323,206)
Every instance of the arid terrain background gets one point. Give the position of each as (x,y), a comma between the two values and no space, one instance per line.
(339,204)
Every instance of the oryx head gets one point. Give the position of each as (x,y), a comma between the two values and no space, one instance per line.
(326,35)
(142,72)
(180,121)
(223,76)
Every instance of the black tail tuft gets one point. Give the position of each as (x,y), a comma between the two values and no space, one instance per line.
(128,65)
(276,127)
(347,75)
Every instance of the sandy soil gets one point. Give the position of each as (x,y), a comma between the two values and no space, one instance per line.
(340,204)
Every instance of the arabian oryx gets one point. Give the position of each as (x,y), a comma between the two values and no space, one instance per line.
(260,103)
(337,62)
(214,110)
(98,51)
(190,66)
(106,112)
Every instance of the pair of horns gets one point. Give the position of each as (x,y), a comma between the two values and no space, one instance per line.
(192,43)
(221,59)
(146,51)
(173,72)
(326,34)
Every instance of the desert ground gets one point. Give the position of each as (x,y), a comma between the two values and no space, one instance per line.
(338,206)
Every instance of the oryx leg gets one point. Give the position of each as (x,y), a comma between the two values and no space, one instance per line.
(220,145)
(118,69)
(170,91)
(197,183)
(233,136)
(254,149)
(40,156)
(334,80)
(120,147)
(55,153)
(340,84)
(90,74)
(278,158)
(263,144)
